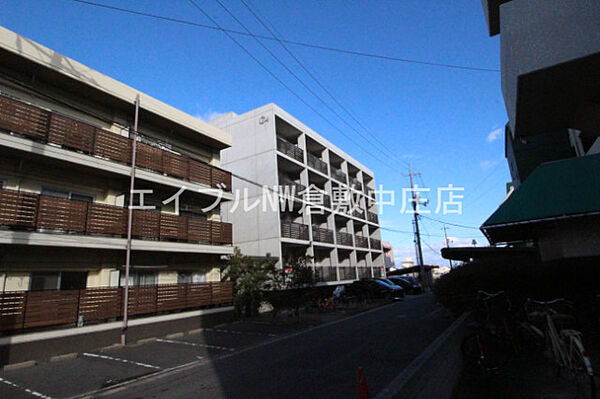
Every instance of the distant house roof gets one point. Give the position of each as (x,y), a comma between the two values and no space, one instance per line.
(554,190)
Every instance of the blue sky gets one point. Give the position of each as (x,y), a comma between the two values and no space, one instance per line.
(443,121)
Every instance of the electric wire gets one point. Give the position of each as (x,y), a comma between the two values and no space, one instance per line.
(293,42)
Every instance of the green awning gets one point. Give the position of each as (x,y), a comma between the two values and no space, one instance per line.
(569,187)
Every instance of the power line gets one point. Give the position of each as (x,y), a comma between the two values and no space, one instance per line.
(263,66)
(293,42)
(450,224)
(295,75)
(319,83)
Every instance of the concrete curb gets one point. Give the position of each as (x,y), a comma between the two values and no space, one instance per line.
(435,371)
(17,366)
(67,356)
(61,333)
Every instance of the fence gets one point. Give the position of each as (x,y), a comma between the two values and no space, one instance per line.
(28,309)
(45,126)
(41,212)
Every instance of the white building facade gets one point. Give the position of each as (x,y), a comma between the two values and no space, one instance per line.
(329,212)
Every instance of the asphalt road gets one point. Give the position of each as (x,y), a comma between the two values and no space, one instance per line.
(319,363)
(246,359)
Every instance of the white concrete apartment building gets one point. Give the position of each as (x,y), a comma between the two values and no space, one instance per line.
(273,149)
(65,164)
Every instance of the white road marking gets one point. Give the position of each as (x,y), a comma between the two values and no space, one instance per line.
(29,391)
(171,341)
(117,359)
(239,332)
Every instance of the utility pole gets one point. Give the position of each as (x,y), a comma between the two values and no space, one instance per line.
(130,220)
(447,244)
(416,201)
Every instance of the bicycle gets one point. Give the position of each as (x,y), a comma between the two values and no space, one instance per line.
(491,343)
(547,324)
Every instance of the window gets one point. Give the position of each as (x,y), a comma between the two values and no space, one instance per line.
(191,277)
(44,281)
(192,215)
(65,194)
(139,278)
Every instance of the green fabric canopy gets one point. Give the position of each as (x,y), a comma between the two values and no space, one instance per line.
(567,187)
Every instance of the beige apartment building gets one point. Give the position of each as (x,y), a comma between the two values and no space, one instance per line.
(65,166)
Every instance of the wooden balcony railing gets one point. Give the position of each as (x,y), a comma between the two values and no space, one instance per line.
(48,127)
(344,239)
(338,174)
(375,243)
(372,217)
(27,309)
(297,231)
(362,242)
(44,213)
(289,149)
(322,235)
(316,163)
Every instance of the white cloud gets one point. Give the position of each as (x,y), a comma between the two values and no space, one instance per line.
(488,163)
(209,115)
(494,135)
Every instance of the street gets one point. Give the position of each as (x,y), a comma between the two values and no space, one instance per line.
(249,359)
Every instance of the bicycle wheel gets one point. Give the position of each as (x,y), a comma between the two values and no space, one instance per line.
(581,371)
(482,354)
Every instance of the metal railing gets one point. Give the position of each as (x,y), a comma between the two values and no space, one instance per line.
(325,273)
(49,127)
(322,235)
(356,184)
(372,217)
(289,149)
(294,230)
(362,242)
(347,272)
(344,239)
(338,174)
(316,163)
(36,212)
(375,243)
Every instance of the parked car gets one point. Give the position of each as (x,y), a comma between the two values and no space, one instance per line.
(374,288)
(410,286)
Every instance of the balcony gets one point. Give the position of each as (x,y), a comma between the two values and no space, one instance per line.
(364,272)
(372,217)
(326,273)
(357,185)
(316,163)
(47,127)
(347,272)
(322,235)
(43,213)
(289,149)
(362,242)
(296,231)
(375,244)
(338,174)
(294,189)
(344,239)
(358,213)
(21,310)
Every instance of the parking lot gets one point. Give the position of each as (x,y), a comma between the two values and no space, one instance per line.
(89,371)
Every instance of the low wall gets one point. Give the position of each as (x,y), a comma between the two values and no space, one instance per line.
(435,372)
(43,345)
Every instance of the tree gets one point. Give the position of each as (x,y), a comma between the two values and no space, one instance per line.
(251,278)
(291,284)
